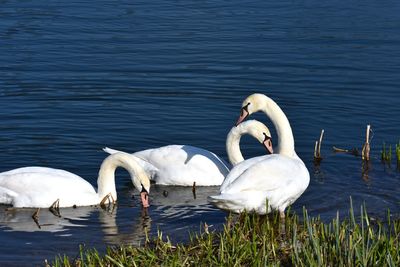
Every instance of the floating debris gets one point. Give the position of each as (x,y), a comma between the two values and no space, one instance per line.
(354,151)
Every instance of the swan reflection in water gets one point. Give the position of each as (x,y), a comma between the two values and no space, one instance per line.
(132,232)
(124,223)
(20,219)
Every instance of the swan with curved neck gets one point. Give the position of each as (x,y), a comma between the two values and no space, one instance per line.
(39,187)
(260,102)
(184,165)
(252,127)
(279,178)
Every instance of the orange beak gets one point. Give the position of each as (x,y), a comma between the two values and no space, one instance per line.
(144,196)
(268,145)
(243,115)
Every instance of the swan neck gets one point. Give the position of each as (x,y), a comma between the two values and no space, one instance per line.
(284,131)
(106,178)
(233,145)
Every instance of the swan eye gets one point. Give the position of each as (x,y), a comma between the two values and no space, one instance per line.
(245,108)
(266,137)
(143,190)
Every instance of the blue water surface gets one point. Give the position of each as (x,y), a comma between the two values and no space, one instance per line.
(76,76)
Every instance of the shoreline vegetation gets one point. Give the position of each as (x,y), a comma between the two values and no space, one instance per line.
(253,240)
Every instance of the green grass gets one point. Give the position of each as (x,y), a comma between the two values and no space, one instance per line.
(252,240)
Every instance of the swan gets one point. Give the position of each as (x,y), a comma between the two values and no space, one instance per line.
(41,187)
(185,165)
(252,127)
(277,179)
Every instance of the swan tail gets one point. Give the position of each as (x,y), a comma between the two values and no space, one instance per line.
(238,203)
(7,196)
(110,150)
(227,202)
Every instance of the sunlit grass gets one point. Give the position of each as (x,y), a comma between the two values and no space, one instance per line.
(252,240)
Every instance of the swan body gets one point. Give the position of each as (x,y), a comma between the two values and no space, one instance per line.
(277,179)
(183,165)
(180,165)
(40,187)
(244,188)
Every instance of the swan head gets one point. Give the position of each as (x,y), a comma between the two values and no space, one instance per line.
(139,178)
(142,183)
(144,197)
(250,105)
(144,192)
(267,143)
(259,130)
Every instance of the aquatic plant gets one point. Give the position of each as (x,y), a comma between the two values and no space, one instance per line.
(252,240)
(398,155)
(386,154)
(366,147)
(317,149)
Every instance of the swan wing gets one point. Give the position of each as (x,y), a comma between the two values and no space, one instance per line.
(7,196)
(238,170)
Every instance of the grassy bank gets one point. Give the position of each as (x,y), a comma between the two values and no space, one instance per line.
(251,240)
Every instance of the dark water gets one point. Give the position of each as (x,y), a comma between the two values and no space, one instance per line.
(76,76)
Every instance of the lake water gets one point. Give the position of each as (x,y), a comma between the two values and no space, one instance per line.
(77,76)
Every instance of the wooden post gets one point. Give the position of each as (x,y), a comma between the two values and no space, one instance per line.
(366,148)
(194,190)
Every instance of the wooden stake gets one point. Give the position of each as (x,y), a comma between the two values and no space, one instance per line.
(194,190)
(366,147)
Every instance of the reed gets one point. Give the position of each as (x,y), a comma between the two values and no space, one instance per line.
(252,240)
(386,154)
(398,155)
(366,147)
(317,148)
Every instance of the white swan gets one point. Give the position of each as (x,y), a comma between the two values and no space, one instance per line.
(183,165)
(252,127)
(39,187)
(279,178)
